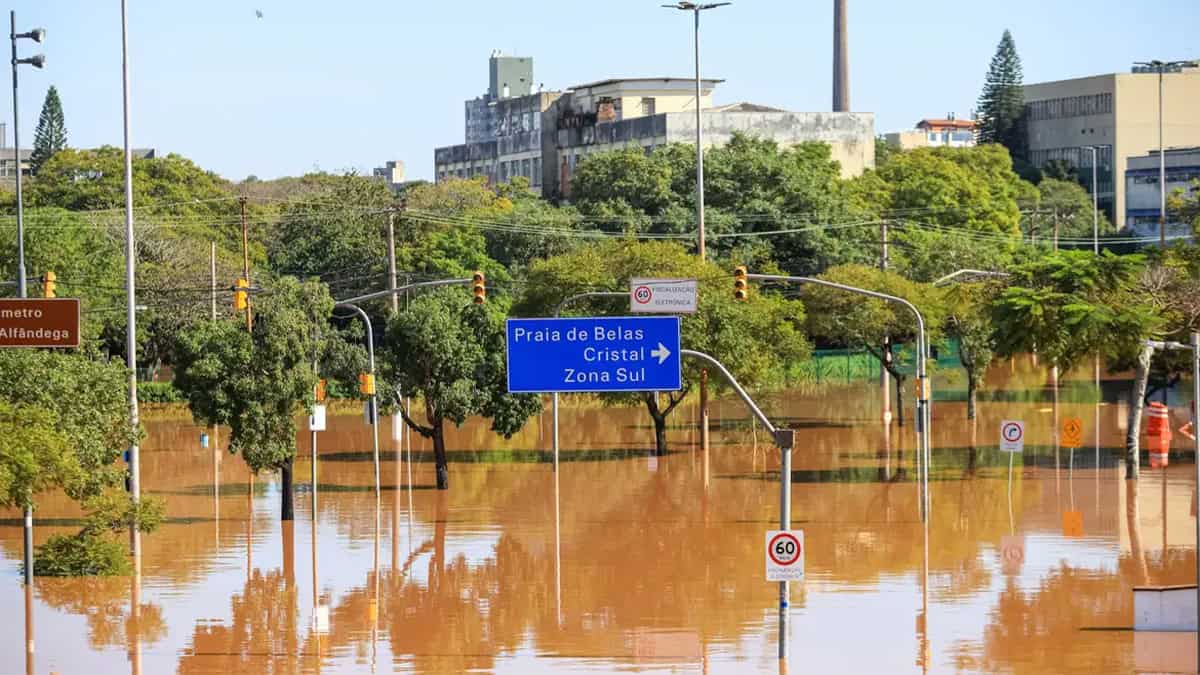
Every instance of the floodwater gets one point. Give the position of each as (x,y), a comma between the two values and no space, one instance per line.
(628,562)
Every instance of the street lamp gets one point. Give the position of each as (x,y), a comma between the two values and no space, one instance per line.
(1095,202)
(1161,67)
(37,61)
(695,9)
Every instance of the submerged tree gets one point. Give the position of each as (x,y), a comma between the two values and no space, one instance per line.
(449,353)
(258,382)
(968,319)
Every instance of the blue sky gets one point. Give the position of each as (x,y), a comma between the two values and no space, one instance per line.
(348,85)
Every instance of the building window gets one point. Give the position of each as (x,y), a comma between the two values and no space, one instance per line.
(537,171)
(932,139)
(526,168)
(1070,106)
(647,106)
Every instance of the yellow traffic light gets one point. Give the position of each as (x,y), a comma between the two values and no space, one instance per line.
(478,288)
(239,294)
(49,284)
(366,384)
(741,290)
(320,391)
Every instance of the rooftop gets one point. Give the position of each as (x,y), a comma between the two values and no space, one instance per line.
(942,123)
(708,82)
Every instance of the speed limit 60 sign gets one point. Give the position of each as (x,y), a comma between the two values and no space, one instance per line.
(785,555)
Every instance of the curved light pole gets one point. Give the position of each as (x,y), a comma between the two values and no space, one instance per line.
(37,61)
(374,412)
(924,418)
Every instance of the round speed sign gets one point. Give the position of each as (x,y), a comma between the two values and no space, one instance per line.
(784,549)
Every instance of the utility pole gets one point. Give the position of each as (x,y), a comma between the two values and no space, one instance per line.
(391,244)
(1161,67)
(884,385)
(212,275)
(135,489)
(1054,215)
(246,264)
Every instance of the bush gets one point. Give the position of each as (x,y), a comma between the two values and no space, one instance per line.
(158,392)
(82,554)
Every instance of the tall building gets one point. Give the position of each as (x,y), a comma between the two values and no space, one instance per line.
(543,135)
(1116,113)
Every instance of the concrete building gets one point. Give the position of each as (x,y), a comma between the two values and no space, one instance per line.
(1117,113)
(1141,188)
(8,171)
(391,173)
(935,132)
(543,135)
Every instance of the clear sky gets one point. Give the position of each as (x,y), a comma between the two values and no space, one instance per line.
(351,84)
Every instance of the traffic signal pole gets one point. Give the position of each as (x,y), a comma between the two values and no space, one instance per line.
(924,418)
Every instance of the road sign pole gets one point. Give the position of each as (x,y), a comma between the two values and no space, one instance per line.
(785,523)
(554,397)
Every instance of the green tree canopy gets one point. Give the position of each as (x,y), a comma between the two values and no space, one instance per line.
(256,383)
(50,136)
(848,319)
(34,455)
(1071,206)
(450,353)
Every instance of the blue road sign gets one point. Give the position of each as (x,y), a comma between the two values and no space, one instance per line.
(594,354)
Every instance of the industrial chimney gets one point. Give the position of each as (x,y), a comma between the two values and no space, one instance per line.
(841,58)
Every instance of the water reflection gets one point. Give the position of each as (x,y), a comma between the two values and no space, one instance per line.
(616,562)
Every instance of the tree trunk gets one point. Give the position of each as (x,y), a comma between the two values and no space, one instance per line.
(972,389)
(287,510)
(660,436)
(1137,400)
(439,455)
(899,399)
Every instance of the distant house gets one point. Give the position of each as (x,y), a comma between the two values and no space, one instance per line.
(935,132)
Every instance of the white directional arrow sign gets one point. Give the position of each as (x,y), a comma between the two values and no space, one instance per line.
(662,353)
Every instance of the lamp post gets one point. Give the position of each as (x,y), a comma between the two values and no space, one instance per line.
(37,61)
(1095,201)
(695,9)
(1161,67)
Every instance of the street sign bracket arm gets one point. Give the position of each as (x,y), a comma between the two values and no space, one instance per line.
(757,412)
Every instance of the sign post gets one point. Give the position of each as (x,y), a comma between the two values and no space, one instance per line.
(1012,441)
(598,354)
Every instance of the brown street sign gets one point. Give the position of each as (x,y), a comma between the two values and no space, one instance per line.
(51,322)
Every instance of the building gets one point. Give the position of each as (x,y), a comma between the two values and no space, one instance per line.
(8,172)
(935,132)
(1141,188)
(543,135)
(1116,113)
(391,173)
(648,112)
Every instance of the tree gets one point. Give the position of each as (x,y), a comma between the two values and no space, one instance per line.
(968,319)
(1002,102)
(34,456)
(758,340)
(850,320)
(51,133)
(1060,170)
(1072,208)
(64,424)
(1184,205)
(450,353)
(258,382)
(1069,304)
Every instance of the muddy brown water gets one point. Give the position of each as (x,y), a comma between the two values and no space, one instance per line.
(629,562)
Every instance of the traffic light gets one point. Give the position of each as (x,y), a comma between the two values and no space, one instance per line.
(320,391)
(49,283)
(239,294)
(478,289)
(366,384)
(741,290)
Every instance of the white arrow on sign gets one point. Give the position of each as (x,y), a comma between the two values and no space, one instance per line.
(662,353)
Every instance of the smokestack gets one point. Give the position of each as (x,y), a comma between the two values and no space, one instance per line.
(841,58)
